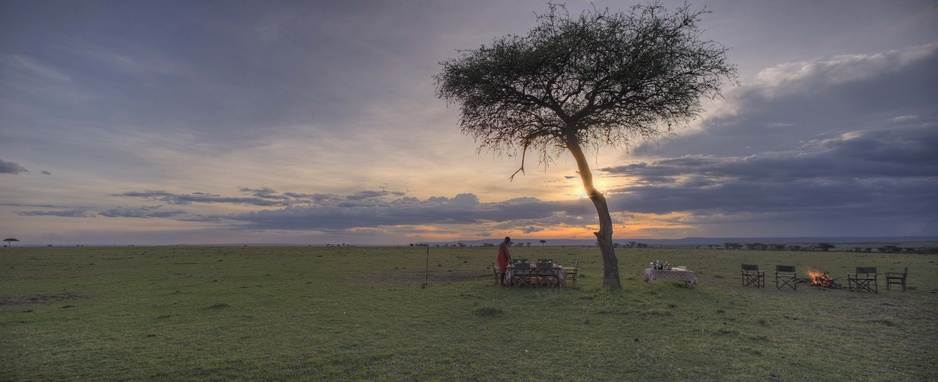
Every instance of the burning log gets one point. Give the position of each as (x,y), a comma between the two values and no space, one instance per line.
(823,280)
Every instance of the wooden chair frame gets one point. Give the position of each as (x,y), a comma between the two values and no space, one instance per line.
(545,273)
(547,278)
(523,274)
(785,275)
(572,272)
(752,276)
(864,279)
(896,278)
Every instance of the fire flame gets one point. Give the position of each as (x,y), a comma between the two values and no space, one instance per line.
(815,276)
(820,278)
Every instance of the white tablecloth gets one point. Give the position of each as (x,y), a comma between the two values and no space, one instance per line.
(679,275)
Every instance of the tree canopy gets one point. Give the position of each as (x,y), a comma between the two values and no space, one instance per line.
(601,79)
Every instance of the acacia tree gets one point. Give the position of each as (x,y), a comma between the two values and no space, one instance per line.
(600,79)
(10,241)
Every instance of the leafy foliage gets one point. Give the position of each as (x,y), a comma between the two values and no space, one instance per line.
(602,79)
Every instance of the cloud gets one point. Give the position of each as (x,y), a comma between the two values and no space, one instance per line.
(808,76)
(838,144)
(362,209)
(11,168)
(202,197)
(791,103)
(140,212)
(864,168)
(80,213)
(389,210)
(31,67)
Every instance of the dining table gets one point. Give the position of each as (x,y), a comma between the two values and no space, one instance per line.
(684,275)
(533,276)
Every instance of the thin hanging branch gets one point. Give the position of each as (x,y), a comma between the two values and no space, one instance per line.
(524,151)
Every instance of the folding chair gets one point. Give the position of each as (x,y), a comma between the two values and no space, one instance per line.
(545,273)
(523,274)
(752,276)
(785,275)
(897,278)
(864,279)
(572,272)
(496,273)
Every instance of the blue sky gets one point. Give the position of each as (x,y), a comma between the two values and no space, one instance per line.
(141,122)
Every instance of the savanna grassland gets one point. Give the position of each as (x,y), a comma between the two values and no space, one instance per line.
(367,313)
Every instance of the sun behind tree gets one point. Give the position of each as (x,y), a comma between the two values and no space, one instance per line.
(601,79)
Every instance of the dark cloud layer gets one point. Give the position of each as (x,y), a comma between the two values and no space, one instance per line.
(846,139)
(141,212)
(11,168)
(63,213)
(461,209)
(362,209)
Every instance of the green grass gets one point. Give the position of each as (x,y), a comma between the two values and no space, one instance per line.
(361,313)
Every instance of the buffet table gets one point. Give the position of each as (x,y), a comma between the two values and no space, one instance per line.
(675,274)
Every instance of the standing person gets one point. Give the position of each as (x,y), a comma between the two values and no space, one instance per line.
(504,258)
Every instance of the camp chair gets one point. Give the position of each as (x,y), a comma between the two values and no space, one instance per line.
(496,273)
(521,264)
(545,273)
(572,272)
(752,276)
(897,278)
(864,279)
(523,274)
(785,275)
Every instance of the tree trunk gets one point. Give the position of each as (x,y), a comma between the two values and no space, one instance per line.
(604,236)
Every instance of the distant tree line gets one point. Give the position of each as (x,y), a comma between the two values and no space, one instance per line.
(824,247)
(820,247)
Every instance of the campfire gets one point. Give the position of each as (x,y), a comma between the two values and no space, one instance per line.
(822,279)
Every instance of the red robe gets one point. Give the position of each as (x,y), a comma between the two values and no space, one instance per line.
(504,258)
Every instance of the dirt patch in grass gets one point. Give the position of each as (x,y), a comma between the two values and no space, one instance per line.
(36,299)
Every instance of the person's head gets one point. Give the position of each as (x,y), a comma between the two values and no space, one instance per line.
(507,240)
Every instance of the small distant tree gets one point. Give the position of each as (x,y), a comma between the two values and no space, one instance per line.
(826,246)
(600,79)
(543,242)
(10,241)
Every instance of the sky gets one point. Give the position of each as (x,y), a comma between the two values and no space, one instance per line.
(317,122)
